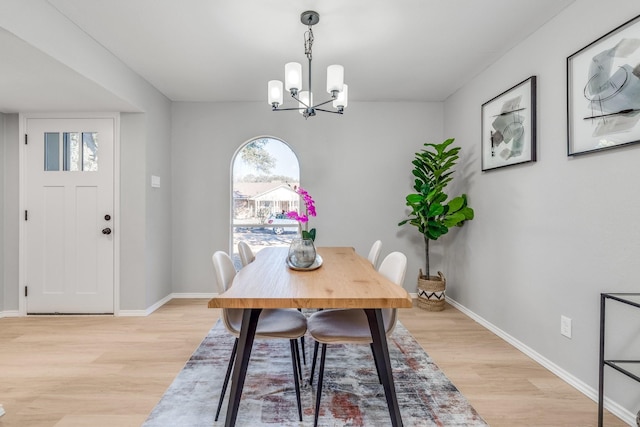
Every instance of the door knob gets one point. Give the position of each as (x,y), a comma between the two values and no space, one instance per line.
(106,230)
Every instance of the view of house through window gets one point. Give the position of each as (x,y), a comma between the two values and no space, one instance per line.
(265,175)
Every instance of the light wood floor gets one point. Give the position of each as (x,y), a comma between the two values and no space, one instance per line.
(111,371)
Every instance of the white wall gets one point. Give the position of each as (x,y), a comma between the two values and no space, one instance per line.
(9,216)
(159,246)
(3,156)
(356,166)
(133,211)
(549,237)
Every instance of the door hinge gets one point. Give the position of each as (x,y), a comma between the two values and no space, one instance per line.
(26,139)
(26,215)
(25,292)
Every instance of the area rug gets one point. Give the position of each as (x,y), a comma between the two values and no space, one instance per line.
(351,396)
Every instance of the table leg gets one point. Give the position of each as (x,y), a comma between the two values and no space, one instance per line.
(381,352)
(245,342)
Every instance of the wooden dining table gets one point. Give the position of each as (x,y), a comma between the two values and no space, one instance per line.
(344,280)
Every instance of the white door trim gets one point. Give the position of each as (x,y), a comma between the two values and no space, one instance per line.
(22,125)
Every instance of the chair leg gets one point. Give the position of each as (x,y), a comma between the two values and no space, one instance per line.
(304,354)
(297,349)
(226,377)
(319,389)
(313,363)
(295,362)
(376,362)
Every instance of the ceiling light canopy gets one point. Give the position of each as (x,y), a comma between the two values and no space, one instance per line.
(293,80)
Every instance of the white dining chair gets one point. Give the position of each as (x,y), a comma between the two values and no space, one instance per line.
(351,326)
(282,323)
(374,253)
(246,254)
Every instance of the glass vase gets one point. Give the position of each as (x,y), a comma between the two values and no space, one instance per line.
(302,253)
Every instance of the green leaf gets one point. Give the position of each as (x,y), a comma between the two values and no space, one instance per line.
(415,198)
(436,231)
(435,209)
(468,213)
(456,204)
(418,173)
(440,198)
(432,234)
(432,223)
(454,219)
(311,234)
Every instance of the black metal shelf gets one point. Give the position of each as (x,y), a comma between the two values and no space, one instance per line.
(630,368)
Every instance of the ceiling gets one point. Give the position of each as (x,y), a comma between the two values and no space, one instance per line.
(227,50)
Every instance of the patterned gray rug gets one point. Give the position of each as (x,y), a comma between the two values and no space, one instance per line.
(352,395)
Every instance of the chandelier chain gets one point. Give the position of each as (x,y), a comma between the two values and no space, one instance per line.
(308,42)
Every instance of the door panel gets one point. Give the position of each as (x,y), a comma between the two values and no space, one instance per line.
(68,192)
(53,239)
(87,227)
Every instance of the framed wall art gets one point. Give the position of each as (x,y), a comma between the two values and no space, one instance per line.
(603,92)
(509,127)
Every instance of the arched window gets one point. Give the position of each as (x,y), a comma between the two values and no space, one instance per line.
(265,172)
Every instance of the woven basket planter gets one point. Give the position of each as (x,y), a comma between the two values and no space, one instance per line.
(431,292)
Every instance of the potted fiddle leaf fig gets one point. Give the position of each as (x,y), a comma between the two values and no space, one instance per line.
(432,214)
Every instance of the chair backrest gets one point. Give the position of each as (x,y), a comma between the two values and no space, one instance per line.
(374,253)
(225,273)
(225,270)
(246,254)
(394,268)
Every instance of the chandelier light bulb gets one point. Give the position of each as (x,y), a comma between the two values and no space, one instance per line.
(306,101)
(335,78)
(293,76)
(343,98)
(275,95)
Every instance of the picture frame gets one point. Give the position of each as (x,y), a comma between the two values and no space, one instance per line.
(509,127)
(603,93)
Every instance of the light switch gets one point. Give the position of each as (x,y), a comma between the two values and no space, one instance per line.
(155,181)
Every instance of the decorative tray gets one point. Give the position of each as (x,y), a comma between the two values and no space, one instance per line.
(316,264)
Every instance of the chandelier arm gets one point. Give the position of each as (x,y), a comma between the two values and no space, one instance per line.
(325,102)
(329,111)
(298,99)
(287,109)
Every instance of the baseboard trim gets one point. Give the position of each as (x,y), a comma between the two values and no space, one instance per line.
(10,313)
(163,301)
(610,405)
(194,295)
(148,311)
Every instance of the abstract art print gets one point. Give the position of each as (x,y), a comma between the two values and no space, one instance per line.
(603,91)
(509,127)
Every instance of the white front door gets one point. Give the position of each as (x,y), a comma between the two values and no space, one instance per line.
(69,204)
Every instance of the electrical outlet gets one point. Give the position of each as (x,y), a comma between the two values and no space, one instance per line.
(565,326)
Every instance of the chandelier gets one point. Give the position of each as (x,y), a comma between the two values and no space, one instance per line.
(293,80)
